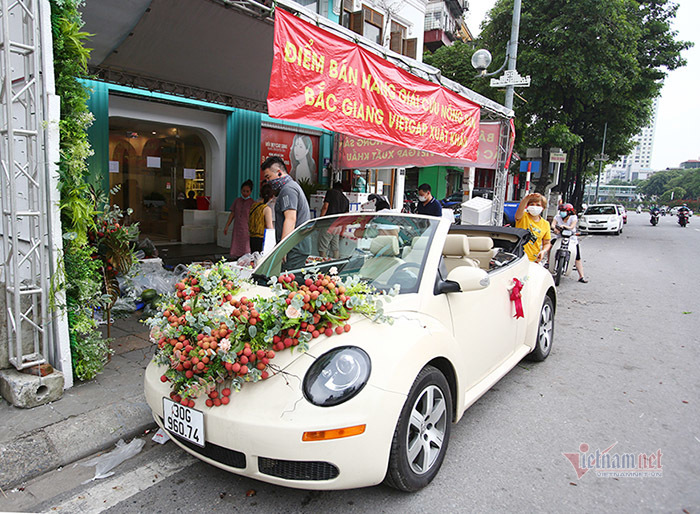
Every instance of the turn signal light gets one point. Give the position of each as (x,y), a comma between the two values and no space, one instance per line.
(337,433)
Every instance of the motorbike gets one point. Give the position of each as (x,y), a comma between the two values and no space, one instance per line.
(562,263)
(654,217)
(683,218)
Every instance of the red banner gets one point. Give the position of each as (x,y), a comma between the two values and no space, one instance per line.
(356,152)
(321,79)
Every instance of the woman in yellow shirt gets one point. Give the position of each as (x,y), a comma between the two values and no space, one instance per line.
(529,217)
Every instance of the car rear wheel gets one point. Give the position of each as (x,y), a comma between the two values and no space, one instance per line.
(422,433)
(545,332)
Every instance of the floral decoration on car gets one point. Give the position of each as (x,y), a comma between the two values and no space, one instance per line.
(214,341)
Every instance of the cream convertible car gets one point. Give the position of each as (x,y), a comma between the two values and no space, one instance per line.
(404,384)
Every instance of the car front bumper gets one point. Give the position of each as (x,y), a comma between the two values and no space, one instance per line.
(600,227)
(259,433)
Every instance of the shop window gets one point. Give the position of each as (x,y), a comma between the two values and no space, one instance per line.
(160,171)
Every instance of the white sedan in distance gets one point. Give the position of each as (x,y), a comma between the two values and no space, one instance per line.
(603,218)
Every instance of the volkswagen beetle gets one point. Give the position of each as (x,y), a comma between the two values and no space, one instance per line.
(377,404)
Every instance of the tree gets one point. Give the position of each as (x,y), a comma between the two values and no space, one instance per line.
(591,63)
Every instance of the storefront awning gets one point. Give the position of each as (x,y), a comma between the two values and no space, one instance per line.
(214,50)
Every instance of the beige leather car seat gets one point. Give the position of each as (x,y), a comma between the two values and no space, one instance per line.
(385,251)
(456,252)
(481,249)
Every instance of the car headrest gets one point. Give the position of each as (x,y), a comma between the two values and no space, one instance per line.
(480,244)
(456,245)
(419,243)
(387,246)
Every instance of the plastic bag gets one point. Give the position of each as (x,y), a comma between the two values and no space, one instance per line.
(147,247)
(249,260)
(108,461)
(160,279)
(269,241)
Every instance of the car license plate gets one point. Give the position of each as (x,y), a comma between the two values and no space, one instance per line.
(184,421)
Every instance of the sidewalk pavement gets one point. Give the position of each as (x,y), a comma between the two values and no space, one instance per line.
(90,417)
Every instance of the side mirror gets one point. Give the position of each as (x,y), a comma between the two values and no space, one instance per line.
(469,278)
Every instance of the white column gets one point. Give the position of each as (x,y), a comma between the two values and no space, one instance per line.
(399,187)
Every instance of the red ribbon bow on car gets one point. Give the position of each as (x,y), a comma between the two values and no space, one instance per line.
(517,298)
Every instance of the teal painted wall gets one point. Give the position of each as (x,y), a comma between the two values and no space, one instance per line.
(242,152)
(436,177)
(242,137)
(331,15)
(98,135)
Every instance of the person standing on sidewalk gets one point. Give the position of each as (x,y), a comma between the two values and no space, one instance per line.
(335,202)
(291,209)
(426,203)
(529,217)
(260,219)
(240,209)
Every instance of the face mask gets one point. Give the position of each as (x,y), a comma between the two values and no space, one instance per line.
(563,214)
(534,210)
(277,183)
(245,197)
(422,198)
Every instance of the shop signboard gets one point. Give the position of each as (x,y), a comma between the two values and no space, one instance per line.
(323,80)
(364,153)
(299,151)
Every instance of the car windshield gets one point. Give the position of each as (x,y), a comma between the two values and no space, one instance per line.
(383,249)
(600,209)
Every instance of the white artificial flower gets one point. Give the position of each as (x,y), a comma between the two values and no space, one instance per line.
(156,334)
(333,270)
(225,345)
(292,312)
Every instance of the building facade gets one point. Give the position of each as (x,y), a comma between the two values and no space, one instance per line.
(637,165)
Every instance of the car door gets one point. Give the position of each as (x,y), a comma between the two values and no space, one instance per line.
(483,322)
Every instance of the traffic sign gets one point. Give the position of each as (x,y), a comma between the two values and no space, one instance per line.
(511,78)
(557,157)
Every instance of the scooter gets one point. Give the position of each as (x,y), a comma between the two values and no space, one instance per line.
(683,218)
(562,263)
(654,218)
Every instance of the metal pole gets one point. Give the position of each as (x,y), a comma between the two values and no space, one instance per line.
(600,166)
(513,51)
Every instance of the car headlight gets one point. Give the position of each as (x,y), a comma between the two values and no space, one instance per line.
(337,376)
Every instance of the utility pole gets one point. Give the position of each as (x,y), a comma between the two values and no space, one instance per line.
(513,51)
(602,157)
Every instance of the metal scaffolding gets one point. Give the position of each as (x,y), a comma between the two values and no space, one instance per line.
(501,180)
(23,184)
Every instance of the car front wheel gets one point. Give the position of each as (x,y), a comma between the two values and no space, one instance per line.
(422,433)
(545,332)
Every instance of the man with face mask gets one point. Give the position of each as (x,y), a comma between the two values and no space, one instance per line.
(426,203)
(291,209)
(529,217)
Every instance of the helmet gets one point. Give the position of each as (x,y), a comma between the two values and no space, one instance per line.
(567,207)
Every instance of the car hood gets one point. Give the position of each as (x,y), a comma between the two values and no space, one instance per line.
(362,328)
(597,217)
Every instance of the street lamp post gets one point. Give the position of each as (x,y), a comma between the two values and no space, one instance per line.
(481,60)
(513,51)
(602,157)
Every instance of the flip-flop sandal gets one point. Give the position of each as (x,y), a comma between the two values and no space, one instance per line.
(583,279)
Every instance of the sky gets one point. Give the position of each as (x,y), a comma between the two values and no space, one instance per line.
(677,136)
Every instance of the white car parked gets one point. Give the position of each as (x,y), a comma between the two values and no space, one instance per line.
(603,217)
(377,404)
